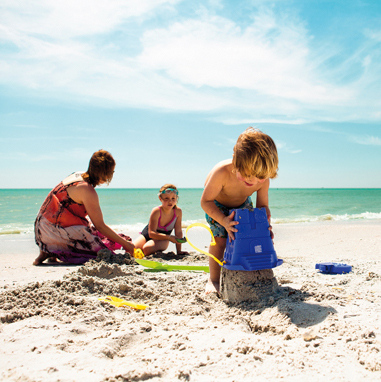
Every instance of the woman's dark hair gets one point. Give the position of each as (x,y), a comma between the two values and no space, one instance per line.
(101,168)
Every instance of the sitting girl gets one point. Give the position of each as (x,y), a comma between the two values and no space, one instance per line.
(157,234)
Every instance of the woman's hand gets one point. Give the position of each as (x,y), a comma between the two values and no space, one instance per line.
(129,247)
(228,223)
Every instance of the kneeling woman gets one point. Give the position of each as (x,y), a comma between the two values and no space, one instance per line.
(62,229)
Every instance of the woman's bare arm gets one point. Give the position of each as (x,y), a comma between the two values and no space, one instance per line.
(178,230)
(86,195)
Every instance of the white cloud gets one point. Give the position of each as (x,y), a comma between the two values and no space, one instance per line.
(28,126)
(366,140)
(266,72)
(267,57)
(282,146)
(225,142)
(236,120)
(71,18)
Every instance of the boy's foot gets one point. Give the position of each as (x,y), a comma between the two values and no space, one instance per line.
(212,287)
(42,257)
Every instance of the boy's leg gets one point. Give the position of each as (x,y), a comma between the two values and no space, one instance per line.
(213,285)
(220,235)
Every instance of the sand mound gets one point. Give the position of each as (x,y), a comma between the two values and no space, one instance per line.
(185,334)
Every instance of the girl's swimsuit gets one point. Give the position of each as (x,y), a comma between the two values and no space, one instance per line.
(63,230)
(167,229)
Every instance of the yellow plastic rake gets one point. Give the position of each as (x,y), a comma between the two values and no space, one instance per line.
(118,302)
(212,243)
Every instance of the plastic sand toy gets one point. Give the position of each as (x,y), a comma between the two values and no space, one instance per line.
(169,267)
(118,302)
(138,253)
(252,248)
(333,268)
(213,242)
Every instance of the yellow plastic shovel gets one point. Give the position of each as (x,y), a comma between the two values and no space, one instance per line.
(118,302)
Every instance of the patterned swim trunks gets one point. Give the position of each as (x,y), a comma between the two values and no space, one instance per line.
(217,229)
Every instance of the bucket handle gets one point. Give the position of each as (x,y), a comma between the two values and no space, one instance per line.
(212,243)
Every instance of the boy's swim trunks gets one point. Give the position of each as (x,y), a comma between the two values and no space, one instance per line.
(217,229)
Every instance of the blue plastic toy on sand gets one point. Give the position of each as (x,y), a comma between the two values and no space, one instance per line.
(253,247)
(333,268)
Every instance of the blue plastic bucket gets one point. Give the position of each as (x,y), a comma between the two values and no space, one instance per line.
(252,248)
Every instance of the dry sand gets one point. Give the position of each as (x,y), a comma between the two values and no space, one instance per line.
(316,327)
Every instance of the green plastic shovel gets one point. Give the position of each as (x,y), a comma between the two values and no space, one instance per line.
(167,267)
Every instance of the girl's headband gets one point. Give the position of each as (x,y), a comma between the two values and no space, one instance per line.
(169,190)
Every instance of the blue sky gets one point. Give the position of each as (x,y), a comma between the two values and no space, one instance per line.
(167,86)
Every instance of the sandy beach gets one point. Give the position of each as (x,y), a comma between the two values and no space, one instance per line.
(316,327)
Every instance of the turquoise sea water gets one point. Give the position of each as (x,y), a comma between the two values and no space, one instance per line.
(127,209)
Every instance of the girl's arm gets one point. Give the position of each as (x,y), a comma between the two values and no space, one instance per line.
(178,230)
(89,198)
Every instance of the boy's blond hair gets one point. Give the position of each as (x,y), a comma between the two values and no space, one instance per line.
(255,154)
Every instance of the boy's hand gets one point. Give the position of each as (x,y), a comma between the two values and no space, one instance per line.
(269,220)
(229,224)
(271,232)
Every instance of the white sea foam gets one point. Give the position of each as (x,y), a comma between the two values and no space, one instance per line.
(15,229)
(134,229)
(327,217)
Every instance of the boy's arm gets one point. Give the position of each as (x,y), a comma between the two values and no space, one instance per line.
(263,201)
(212,189)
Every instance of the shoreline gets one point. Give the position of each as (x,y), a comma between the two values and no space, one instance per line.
(17,252)
(317,327)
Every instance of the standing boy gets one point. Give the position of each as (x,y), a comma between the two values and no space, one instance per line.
(230,184)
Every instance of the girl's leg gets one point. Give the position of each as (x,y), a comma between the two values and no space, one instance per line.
(139,242)
(153,246)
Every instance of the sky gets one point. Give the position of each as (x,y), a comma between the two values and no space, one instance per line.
(167,86)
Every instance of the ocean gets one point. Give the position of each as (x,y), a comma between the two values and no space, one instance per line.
(129,209)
